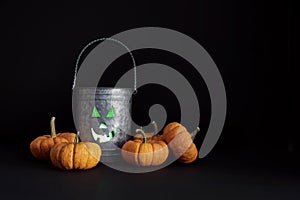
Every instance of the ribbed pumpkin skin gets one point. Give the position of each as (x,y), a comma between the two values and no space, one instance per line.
(180,142)
(190,155)
(40,147)
(69,136)
(67,156)
(160,152)
(171,130)
(151,153)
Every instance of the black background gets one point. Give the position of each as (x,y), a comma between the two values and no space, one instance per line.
(251,42)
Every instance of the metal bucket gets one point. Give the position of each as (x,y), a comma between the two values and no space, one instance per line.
(103,116)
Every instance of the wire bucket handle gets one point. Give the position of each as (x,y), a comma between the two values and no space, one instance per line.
(113,40)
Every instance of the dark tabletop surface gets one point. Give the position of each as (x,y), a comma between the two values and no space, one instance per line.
(217,176)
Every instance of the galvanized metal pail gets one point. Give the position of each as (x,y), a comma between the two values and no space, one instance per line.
(103,115)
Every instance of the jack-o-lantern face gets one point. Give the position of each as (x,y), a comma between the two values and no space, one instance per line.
(105,134)
(103,115)
(107,130)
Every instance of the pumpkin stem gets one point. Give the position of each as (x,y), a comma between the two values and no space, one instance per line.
(76,140)
(154,127)
(143,133)
(52,126)
(193,134)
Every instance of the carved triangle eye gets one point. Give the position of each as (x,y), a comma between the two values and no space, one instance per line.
(111,113)
(95,113)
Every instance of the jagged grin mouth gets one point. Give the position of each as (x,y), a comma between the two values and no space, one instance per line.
(102,138)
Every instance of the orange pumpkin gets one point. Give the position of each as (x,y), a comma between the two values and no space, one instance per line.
(149,136)
(157,137)
(76,155)
(139,136)
(180,142)
(40,147)
(146,151)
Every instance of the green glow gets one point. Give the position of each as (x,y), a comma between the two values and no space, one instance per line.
(96,113)
(112,133)
(111,113)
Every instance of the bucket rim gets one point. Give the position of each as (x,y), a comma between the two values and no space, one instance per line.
(102,89)
(125,88)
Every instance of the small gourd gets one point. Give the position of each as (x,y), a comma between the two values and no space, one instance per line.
(40,147)
(143,150)
(180,142)
(76,155)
